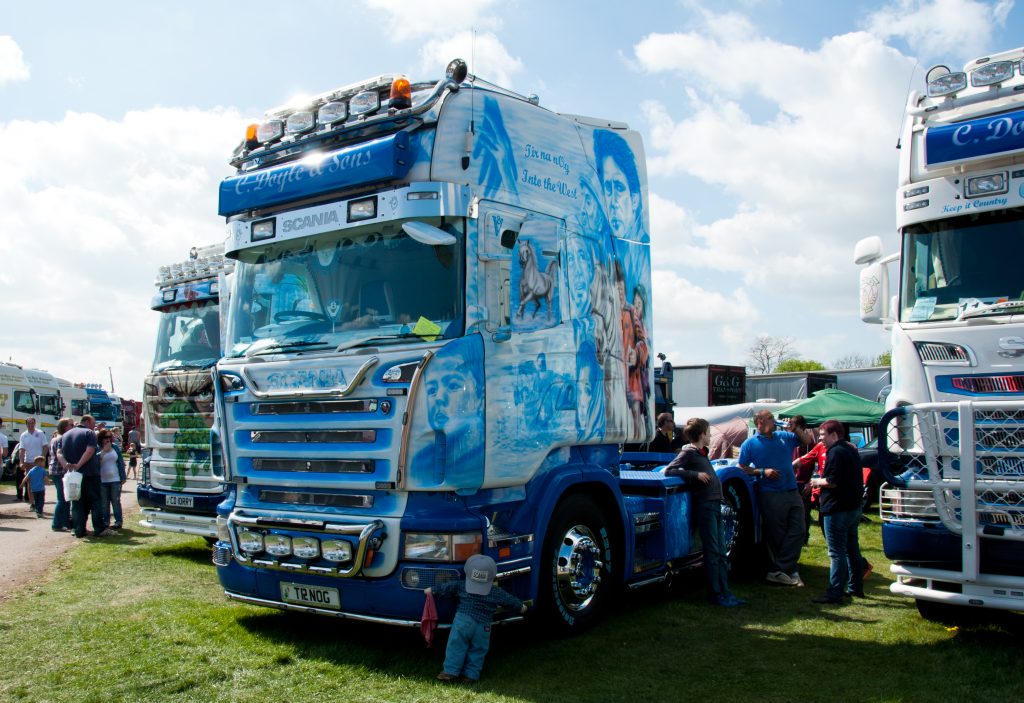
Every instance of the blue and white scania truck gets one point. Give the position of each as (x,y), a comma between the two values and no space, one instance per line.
(956,537)
(439,335)
(178,491)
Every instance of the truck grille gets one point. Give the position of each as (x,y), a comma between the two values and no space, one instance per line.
(179,414)
(337,466)
(314,407)
(989,384)
(318,436)
(929,445)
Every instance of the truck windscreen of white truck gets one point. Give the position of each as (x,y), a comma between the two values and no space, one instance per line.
(963,267)
(342,287)
(188,336)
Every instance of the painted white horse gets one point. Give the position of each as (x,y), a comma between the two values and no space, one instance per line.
(534,285)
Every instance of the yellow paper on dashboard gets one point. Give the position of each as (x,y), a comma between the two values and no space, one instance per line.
(427,329)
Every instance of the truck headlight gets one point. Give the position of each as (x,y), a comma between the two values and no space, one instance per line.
(337,550)
(430,546)
(278,545)
(223,533)
(306,547)
(250,542)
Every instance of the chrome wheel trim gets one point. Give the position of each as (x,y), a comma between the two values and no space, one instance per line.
(578,568)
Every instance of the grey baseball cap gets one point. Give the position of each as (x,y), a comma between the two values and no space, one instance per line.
(480,573)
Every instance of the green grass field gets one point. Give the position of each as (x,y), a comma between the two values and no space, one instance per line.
(141,617)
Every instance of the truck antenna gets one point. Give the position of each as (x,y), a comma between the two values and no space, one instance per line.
(903,118)
(472,105)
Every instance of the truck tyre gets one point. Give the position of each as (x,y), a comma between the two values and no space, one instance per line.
(578,572)
(739,528)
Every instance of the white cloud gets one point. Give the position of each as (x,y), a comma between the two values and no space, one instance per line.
(12,62)
(89,208)
(486,55)
(686,316)
(450,29)
(938,29)
(809,179)
(408,20)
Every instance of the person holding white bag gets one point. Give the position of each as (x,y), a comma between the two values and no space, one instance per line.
(79,448)
(58,467)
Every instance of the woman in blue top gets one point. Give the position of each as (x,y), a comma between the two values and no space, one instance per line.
(112,477)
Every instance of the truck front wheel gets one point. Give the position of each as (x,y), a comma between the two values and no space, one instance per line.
(739,528)
(577,575)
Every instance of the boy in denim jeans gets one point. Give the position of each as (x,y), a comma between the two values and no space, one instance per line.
(35,480)
(470,637)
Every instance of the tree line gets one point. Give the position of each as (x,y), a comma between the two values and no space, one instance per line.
(769,354)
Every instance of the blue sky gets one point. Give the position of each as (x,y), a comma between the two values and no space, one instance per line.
(770,128)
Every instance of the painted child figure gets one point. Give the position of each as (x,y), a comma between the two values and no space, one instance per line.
(35,480)
(470,637)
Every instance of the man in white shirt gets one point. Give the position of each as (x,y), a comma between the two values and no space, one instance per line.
(33,444)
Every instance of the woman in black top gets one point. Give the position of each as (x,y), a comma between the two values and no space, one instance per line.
(693,464)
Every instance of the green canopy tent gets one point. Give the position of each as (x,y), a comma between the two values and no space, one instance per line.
(834,404)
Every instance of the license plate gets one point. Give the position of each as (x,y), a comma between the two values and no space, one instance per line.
(178,501)
(318,596)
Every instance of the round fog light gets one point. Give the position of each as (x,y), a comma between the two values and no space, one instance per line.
(337,550)
(278,545)
(306,547)
(250,542)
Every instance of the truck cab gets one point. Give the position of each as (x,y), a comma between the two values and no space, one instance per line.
(18,402)
(74,399)
(957,322)
(439,335)
(179,489)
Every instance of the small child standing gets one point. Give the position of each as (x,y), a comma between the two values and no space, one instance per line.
(35,480)
(470,637)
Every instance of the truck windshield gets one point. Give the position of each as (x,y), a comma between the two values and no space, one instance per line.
(49,405)
(102,411)
(962,263)
(368,283)
(189,336)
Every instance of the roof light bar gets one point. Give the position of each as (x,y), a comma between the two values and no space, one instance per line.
(203,263)
(947,84)
(299,122)
(992,73)
(364,102)
(269,131)
(329,113)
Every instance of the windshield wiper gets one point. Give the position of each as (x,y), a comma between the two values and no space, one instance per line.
(1003,308)
(175,366)
(374,338)
(273,346)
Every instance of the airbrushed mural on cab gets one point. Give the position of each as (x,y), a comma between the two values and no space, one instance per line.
(180,408)
(576,368)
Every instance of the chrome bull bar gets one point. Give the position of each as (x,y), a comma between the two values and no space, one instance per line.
(365,534)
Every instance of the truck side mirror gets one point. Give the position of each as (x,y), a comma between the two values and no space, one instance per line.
(867,250)
(874,294)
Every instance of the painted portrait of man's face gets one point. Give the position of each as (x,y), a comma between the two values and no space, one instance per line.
(620,203)
(580,263)
(452,395)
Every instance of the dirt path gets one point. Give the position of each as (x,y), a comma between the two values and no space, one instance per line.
(28,547)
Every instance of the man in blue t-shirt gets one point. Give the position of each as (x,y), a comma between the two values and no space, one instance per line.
(80,451)
(768,455)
